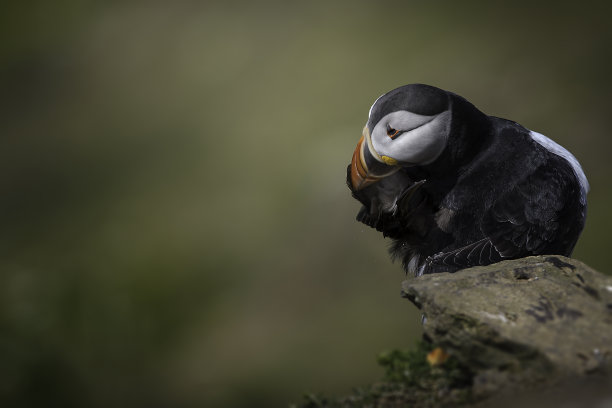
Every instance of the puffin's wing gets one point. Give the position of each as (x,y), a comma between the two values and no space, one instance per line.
(481,252)
(526,219)
(521,222)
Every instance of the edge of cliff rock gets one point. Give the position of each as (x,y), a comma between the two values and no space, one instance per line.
(530,332)
(519,324)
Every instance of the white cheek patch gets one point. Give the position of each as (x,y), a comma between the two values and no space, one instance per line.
(559,150)
(422,141)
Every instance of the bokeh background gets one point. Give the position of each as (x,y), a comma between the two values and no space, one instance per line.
(175,229)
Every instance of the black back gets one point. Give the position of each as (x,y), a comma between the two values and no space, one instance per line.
(493,194)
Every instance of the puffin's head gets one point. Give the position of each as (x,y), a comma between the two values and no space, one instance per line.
(408,126)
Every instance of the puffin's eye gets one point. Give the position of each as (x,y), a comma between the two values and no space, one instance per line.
(392,133)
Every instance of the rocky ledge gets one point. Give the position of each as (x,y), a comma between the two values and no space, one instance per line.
(530,332)
(520,324)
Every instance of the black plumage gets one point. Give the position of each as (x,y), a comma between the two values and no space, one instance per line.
(493,190)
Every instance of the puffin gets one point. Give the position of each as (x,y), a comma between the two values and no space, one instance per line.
(455,188)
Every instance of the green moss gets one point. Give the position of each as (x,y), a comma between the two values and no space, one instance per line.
(409,380)
(411,367)
(407,366)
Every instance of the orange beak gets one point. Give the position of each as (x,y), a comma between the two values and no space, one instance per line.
(359,171)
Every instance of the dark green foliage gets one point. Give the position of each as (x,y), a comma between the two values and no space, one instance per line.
(409,381)
(411,367)
(408,366)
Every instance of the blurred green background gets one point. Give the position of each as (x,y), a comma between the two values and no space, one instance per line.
(175,228)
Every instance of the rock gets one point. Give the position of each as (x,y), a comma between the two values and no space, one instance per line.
(522,323)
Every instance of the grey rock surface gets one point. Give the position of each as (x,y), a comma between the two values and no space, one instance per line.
(524,322)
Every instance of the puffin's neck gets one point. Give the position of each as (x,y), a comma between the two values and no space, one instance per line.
(470,134)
